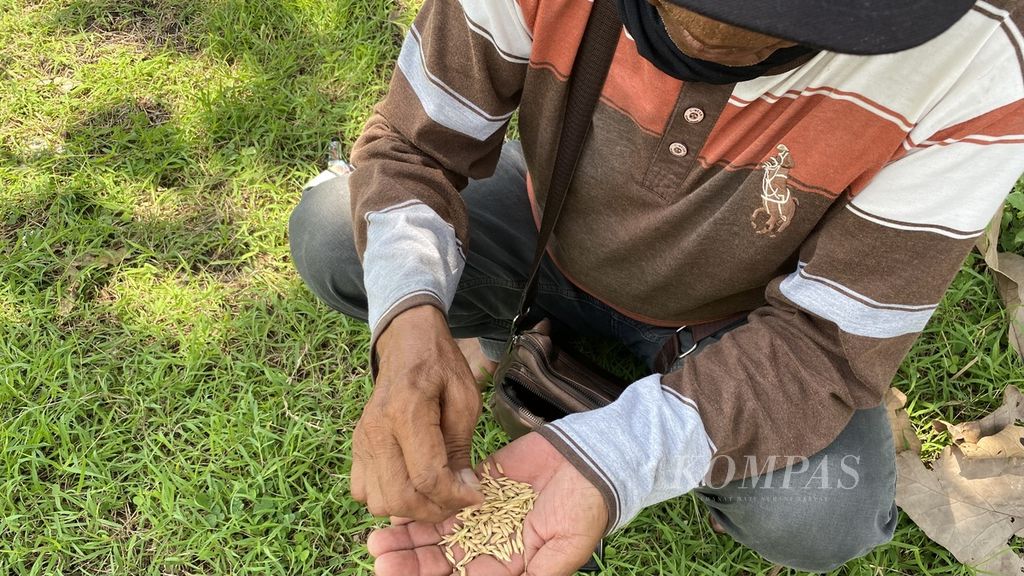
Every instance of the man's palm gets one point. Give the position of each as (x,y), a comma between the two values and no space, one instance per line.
(560,534)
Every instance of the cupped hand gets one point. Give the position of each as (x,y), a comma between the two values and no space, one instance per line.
(560,533)
(410,450)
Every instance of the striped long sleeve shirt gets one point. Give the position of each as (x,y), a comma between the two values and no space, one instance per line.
(835,198)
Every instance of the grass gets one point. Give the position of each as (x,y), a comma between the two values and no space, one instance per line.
(172,400)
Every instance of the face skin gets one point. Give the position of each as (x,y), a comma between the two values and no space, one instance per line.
(706,39)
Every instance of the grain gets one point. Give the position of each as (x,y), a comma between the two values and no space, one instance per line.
(493,528)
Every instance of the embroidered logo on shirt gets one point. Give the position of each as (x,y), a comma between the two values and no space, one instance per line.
(777,201)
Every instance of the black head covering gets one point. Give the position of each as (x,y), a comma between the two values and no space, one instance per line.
(644,24)
(846,26)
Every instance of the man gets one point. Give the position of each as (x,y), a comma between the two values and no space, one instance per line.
(823,166)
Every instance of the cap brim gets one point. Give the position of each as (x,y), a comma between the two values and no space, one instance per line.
(847,26)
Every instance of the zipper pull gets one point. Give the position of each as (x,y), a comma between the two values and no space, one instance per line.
(335,161)
(512,343)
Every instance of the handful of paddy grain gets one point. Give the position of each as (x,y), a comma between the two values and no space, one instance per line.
(495,527)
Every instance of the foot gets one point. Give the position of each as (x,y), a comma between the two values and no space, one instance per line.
(481,366)
(715,525)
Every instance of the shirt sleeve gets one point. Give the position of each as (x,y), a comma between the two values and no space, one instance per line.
(834,330)
(457,82)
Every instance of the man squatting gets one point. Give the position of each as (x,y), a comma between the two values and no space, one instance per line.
(825,166)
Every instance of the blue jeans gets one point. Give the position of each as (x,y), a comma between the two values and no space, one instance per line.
(813,515)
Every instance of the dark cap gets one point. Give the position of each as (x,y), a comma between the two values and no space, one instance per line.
(847,26)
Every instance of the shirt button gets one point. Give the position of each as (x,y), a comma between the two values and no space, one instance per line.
(677,149)
(694,115)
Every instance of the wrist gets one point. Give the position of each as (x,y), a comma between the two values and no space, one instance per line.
(417,323)
(571,457)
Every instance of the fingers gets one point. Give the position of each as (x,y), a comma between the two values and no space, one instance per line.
(379,476)
(414,549)
(431,561)
(409,549)
(384,485)
(390,491)
(429,470)
(374,497)
(425,561)
(405,537)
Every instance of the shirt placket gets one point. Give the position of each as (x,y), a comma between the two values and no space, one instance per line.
(696,112)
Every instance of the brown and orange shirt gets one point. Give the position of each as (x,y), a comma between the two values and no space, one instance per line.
(836,199)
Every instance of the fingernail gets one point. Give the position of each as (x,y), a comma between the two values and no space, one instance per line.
(469,478)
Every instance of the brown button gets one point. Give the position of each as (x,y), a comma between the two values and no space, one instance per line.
(677,149)
(694,115)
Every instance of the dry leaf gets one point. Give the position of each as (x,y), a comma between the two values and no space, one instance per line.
(972,518)
(903,433)
(988,243)
(1008,270)
(62,83)
(995,455)
(72,275)
(992,445)
(972,500)
(971,432)
(1008,443)
(1010,285)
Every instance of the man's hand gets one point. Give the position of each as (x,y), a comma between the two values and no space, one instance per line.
(410,451)
(561,532)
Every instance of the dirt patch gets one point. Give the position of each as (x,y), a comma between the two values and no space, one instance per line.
(129,521)
(156,113)
(20,220)
(138,22)
(50,67)
(128,115)
(110,129)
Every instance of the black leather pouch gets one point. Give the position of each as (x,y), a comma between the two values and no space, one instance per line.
(539,381)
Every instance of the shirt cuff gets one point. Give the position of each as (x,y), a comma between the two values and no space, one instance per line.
(412,257)
(646,447)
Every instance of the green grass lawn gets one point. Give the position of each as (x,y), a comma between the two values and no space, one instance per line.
(172,400)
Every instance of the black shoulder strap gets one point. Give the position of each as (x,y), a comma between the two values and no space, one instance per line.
(588,75)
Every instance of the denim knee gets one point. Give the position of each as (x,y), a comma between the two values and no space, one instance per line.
(821,538)
(320,236)
(820,512)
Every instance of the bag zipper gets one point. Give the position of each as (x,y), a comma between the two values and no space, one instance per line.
(519,407)
(595,401)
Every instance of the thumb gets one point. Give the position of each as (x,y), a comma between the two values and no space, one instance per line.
(559,556)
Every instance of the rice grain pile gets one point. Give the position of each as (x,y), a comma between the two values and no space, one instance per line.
(494,528)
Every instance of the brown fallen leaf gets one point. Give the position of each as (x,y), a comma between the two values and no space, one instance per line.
(1008,270)
(995,455)
(1010,285)
(971,502)
(972,518)
(1008,443)
(72,275)
(971,432)
(903,433)
(993,445)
